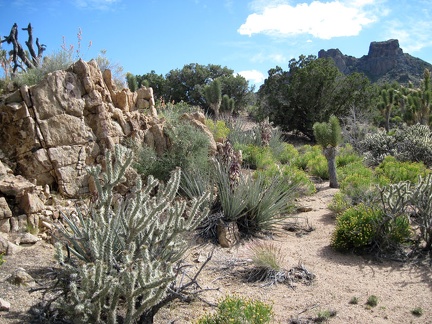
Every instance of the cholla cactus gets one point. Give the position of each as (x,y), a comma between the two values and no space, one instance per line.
(127,253)
(422,201)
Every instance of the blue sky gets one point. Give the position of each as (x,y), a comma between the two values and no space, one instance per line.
(248,36)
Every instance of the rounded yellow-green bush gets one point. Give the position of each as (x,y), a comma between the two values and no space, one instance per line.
(355,228)
(362,226)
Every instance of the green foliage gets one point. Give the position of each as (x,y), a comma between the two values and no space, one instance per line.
(362,226)
(359,182)
(227,105)
(290,174)
(347,155)
(355,228)
(312,160)
(127,250)
(339,203)
(397,171)
(311,91)
(256,204)
(408,143)
(318,167)
(267,256)
(213,96)
(2,260)
(285,153)
(354,300)
(324,315)
(372,301)
(257,157)
(268,203)
(218,128)
(187,84)
(131,82)
(57,61)
(417,311)
(239,310)
(308,154)
(328,134)
(189,149)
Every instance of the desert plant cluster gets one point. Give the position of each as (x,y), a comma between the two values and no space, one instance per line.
(121,258)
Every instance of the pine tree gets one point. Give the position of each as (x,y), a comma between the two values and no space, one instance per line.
(127,249)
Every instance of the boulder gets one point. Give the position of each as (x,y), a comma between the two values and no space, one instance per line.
(5,211)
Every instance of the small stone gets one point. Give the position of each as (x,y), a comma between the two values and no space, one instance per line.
(4,305)
(12,249)
(20,277)
(27,238)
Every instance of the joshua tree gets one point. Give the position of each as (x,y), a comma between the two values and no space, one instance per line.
(388,101)
(18,51)
(329,136)
(213,95)
(227,105)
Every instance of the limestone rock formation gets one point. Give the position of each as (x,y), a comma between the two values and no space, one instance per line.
(385,62)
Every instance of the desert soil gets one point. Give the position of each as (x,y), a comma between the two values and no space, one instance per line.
(399,286)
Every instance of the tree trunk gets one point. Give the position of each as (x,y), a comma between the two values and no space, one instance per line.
(330,154)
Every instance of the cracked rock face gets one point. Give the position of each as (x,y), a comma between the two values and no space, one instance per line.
(53,130)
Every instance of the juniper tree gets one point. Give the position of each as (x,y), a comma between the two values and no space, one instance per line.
(128,248)
(329,136)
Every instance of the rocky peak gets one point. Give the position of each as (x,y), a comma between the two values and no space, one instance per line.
(385,62)
(389,48)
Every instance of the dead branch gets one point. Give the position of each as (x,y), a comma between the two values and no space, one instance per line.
(18,51)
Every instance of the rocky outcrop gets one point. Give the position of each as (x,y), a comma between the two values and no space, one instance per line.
(385,62)
(52,131)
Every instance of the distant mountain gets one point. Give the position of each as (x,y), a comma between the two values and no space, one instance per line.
(385,62)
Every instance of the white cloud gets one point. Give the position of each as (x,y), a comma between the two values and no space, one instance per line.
(413,30)
(96,4)
(254,76)
(323,20)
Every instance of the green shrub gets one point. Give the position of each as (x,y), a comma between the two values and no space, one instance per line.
(290,174)
(239,310)
(339,203)
(57,61)
(372,301)
(307,153)
(418,311)
(2,260)
(355,228)
(361,227)
(347,155)
(318,167)
(359,183)
(285,153)
(189,150)
(257,157)
(219,129)
(398,171)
